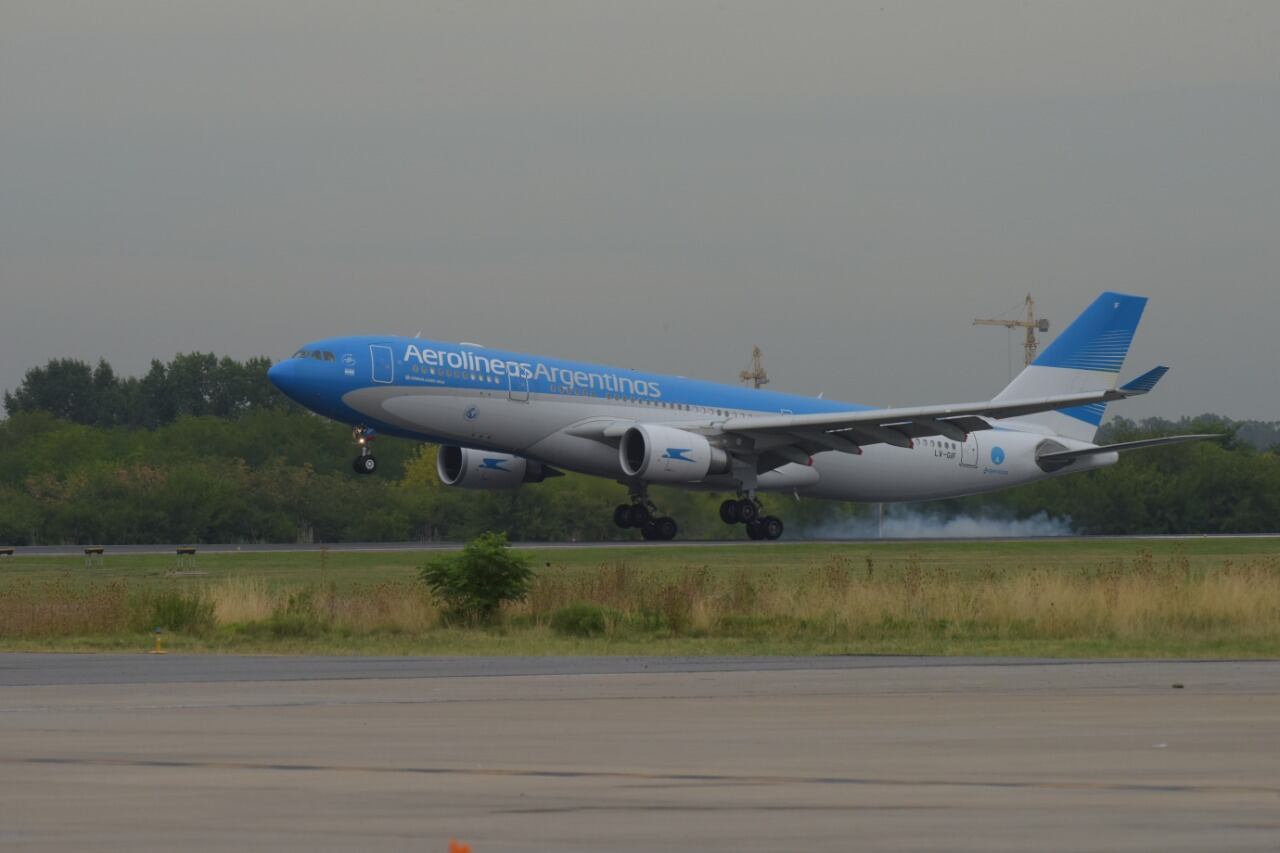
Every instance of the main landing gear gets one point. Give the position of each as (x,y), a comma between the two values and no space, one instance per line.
(641,513)
(748,511)
(364,463)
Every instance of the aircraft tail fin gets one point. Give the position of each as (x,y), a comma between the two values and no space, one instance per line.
(1086,356)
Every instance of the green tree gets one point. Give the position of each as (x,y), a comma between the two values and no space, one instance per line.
(64,388)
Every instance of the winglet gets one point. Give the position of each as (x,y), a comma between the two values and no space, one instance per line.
(1146,381)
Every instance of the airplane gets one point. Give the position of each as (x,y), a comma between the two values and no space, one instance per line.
(504,419)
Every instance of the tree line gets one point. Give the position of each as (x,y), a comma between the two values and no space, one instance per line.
(190,385)
(202,449)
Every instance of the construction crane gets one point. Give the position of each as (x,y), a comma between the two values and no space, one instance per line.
(1032,324)
(756,375)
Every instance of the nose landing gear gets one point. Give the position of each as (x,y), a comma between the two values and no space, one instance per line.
(365,463)
(748,511)
(643,514)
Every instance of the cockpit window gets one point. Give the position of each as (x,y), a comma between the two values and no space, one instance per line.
(301,354)
(328,356)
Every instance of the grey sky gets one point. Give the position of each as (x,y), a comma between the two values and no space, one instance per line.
(654,185)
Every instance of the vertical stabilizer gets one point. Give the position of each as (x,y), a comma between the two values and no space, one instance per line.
(1087,356)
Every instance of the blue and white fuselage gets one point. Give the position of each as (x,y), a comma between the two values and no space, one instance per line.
(641,428)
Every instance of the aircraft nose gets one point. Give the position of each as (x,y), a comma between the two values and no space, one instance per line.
(284,376)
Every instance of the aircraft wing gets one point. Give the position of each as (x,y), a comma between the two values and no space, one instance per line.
(898,426)
(778,439)
(606,429)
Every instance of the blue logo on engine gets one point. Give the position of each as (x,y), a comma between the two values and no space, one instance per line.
(678,454)
(493,464)
(997,456)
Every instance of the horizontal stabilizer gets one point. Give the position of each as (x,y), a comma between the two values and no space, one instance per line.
(1068,455)
(1146,381)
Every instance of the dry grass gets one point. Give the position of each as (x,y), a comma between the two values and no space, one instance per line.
(392,607)
(243,600)
(1122,600)
(63,609)
(1138,602)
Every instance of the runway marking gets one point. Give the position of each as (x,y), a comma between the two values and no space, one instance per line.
(718,778)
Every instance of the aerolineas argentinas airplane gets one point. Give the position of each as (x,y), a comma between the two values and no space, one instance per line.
(504,419)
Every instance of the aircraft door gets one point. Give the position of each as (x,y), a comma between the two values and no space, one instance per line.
(969,451)
(384,364)
(518,388)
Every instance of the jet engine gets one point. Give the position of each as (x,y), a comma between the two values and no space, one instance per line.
(477,469)
(662,454)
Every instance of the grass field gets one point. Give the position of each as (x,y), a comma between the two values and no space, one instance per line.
(1192,598)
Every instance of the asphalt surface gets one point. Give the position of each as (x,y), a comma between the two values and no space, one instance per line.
(212,753)
(352,547)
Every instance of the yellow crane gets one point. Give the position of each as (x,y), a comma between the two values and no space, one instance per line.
(756,375)
(1032,324)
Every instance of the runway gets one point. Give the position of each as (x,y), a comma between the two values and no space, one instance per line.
(135,752)
(357,547)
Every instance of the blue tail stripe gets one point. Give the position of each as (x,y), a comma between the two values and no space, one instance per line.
(1099,338)
(1090,414)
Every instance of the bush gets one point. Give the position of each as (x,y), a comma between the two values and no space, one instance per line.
(172,610)
(475,583)
(579,620)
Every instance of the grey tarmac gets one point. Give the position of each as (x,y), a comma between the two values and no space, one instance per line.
(362,547)
(136,752)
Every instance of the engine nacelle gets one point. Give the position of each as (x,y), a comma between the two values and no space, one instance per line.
(476,469)
(662,454)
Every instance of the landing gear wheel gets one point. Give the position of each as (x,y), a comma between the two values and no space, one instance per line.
(649,531)
(665,528)
(364,463)
(622,515)
(748,511)
(770,526)
(755,530)
(729,512)
(639,515)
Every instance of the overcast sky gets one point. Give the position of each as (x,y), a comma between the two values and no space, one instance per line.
(653,185)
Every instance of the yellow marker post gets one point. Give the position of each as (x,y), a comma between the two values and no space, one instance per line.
(157,650)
